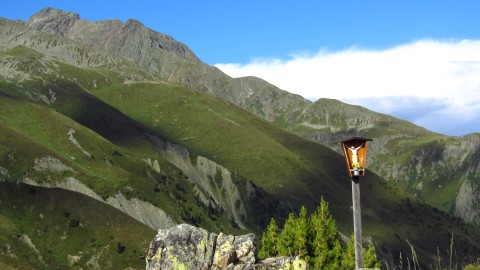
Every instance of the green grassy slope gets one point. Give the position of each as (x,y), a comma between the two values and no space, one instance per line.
(218,130)
(290,170)
(32,131)
(115,165)
(43,228)
(399,147)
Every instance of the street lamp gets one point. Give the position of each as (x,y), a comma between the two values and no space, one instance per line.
(355,151)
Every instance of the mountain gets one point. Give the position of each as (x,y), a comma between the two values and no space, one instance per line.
(440,170)
(135,121)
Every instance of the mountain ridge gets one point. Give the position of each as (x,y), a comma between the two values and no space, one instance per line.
(287,110)
(292,112)
(126,103)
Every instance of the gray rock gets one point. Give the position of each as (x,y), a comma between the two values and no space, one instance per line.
(245,247)
(181,247)
(225,253)
(53,21)
(188,247)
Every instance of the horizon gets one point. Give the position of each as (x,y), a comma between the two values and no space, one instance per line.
(419,62)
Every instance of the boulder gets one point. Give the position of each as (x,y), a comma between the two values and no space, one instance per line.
(188,247)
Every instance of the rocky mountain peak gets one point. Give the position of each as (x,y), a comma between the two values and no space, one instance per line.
(134,22)
(158,53)
(53,21)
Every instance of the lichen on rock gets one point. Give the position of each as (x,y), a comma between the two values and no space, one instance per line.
(188,247)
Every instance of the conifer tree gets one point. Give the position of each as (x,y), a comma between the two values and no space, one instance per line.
(301,228)
(315,239)
(324,244)
(287,237)
(370,258)
(269,241)
(348,255)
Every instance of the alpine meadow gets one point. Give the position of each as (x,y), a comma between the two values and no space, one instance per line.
(111,131)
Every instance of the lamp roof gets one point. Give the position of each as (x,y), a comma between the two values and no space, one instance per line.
(355,139)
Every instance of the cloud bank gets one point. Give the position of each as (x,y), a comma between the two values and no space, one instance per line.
(435,84)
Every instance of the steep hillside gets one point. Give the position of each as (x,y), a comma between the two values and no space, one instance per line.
(120,164)
(75,116)
(44,228)
(440,170)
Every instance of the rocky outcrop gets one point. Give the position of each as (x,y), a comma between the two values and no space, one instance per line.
(157,53)
(188,247)
(53,21)
(142,211)
(466,201)
(51,164)
(70,134)
(214,183)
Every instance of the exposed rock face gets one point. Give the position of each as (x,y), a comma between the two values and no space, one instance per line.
(214,184)
(467,198)
(158,53)
(53,21)
(142,211)
(188,247)
(70,134)
(50,163)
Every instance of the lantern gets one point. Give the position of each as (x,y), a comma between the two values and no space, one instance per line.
(355,152)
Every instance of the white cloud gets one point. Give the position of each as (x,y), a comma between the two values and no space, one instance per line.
(443,77)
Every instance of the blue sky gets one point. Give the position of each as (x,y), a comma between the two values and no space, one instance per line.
(417,60)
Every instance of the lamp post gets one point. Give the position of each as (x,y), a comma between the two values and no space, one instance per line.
(355,151)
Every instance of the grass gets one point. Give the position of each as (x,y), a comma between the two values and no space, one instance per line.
(193,119)
(45,215)
(37,131)
(383,202)
(111,119)
(449,259)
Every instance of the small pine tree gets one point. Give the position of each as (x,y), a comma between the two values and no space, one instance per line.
(315,239)
(348,256)
(370,258)
(269,241)
(301,228)
(324,243)
(287,237)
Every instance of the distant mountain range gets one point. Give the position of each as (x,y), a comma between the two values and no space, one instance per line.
(152,136)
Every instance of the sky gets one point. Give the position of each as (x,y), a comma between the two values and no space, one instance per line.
(418,60)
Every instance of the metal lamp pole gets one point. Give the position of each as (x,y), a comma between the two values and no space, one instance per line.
(357,224)
(355,151)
